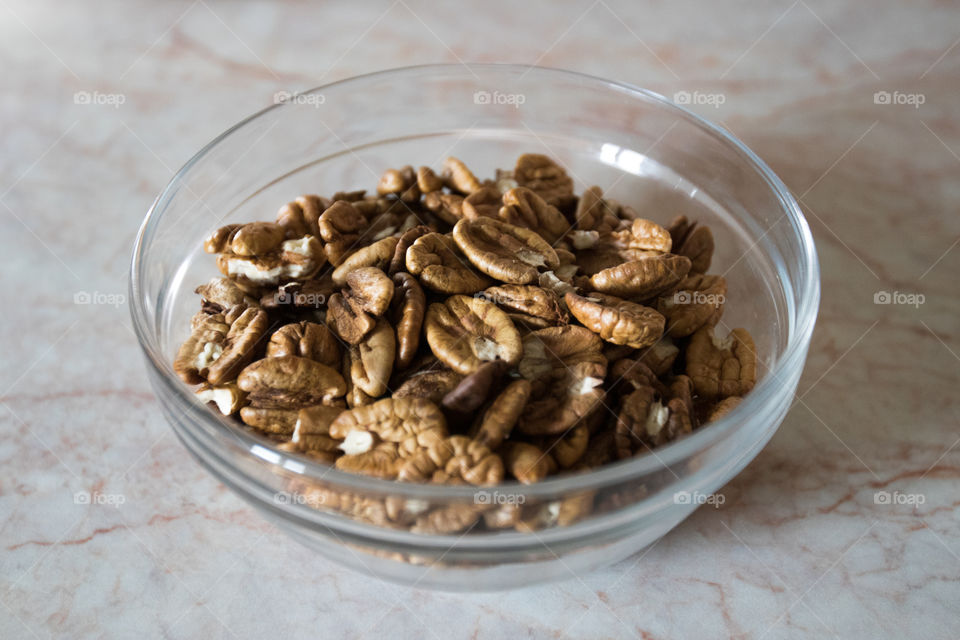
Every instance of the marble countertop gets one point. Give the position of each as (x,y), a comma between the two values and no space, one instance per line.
(846,525)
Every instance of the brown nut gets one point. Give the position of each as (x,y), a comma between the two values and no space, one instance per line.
(257,238)
(482,203)
(376,255)
(504,251)
(402,182)
(642,279)
(449,519)
(217,350)
(721,367)
(228,398)
(567,449)
(456,457)
(567,369)
(616,320)
(399,260)
(310,294)
(312,429)
(499,419)
(431,385)
(594,213)
(661,356)
(220,239)
(693,241)
(379,461)
(340,228)
(534,306)
(301,217)
(723,407)
(348,321)
(643,235)
(474,389)
(428,181)
(370,290)
(434,258)
(307,340)
(524,208)
(407,310)
(465,332)
(446,206)
(459,177)
(698,301)
(525,462)
(296,259)
(410,423)
(640,419)
(371,360)
(222,294)
(543,176)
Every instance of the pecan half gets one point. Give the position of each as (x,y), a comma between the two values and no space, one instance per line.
(433,257)
(465,332)
(407,310)
(642,279)
(616,320)
(456,457)
(504,251)
(307,340)
(534,306)
(217,350)
(499,419)
(721,367)
(524,208)
(376,255)
(543,176)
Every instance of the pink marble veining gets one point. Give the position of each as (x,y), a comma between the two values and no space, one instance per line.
(805,545)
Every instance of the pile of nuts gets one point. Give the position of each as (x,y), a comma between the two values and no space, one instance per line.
(463,331)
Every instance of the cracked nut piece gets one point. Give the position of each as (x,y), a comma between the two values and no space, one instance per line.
(499,419)
(459,177)
(428,180)
(642,279)
(379,461)
(410,423)
(474,389)
(524,208)
(400,182)
(297,259)
(228,397)
(723,407)
(485,202)
(569,448)
(698,301)
(456,457)
(567,368)
(371,361)
(643,235)
(277,388)
(543,176)
(250,239)
(307,340)
(504,251)
(694,241)
(222,294)
(348,321)
(721,367)
(465,332)
(407,310)
(594,213)
(641,417)
(526,462)
(534,306)
(433,257)
(446,206)
(616,320)
(431,385)
(301,217)
(312,429)
(370,290)
(399,260)
(376,255)
(450,519)
(340,228)
(217,350)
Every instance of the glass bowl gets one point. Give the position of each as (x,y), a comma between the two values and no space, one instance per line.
(640,148)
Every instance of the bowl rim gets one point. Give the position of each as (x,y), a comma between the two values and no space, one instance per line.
(662,458)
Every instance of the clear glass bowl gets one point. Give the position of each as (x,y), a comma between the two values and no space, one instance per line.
(642,149)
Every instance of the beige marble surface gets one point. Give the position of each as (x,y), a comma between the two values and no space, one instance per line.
(801,548)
